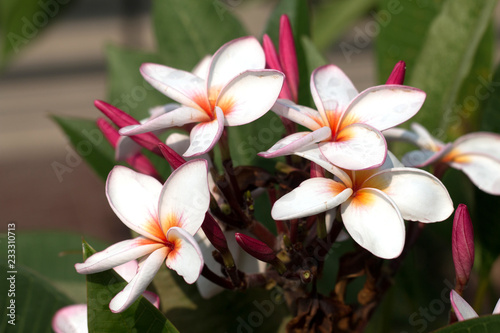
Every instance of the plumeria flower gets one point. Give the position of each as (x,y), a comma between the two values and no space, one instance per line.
(463,310)
(166,217)
(476,154)
(346,127)
(236,91)
(373,203)
(245,263)
(73,318)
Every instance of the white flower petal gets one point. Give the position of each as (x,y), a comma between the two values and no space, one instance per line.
(482,170)
(177,117)
(249,96)
(71,319)
(331,89)
(356,147)
(185,197)
(314,154)
(205,135)
(186,258)
(152,298)
(127,270)
(418,195)
(134,199)
(479,143)
(302,115)
(424,139)
(383,107)
(125,148)
(296,142)
(232,59)
(496,310)
(139,283)
(183,87)
(372,219)
(462,309)
(201,69)
(313,196)
(117,254)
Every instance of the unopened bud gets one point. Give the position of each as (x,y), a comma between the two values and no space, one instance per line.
(462,245)
(175,160)
(398,74)
(260,250)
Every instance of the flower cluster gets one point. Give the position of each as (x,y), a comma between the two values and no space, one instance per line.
(199,221)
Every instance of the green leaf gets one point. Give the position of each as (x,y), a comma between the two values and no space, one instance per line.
(298,14)
(491,117)
(127,90)
(404,26)
(314,58)
(486,324)
(89,143)
(333,18)
(141,316)
(188,30)
(254,310)
(52,255)
(447,57)
(35,301)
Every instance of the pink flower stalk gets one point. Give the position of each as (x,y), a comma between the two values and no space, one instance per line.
(462,245)
(475,154)
(346,127)
(285,61)
(165,216)
(463,310)
(122,119)
(235,90)
(398,74)
(137,160)
(73,318)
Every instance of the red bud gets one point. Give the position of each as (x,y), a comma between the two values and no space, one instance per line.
(398,74)
(462,245)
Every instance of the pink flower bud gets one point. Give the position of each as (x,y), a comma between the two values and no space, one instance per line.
(122,119)
(255,248)
(462,245)
(288,57)
(175,160)
(398,74)
(214,234)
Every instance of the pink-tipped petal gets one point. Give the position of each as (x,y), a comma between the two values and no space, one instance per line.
(249,96)
(296,142)
(177,117)
(183,87)
(418,195)
(356,147)
(134,199)
(383,107)
(496,310)
(462,309)
(185,197)
(71,319)
(186,258)
(139,283)
(302,115)
(313,196)
(205,135)
(117,254)
(373,220)
(482,170)
(288,57)
(232,59)
(398,74)
(331,89)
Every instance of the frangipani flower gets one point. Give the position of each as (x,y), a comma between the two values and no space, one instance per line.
(476,154)
(373,203)
(347,125)
(166,217)
(463,310)
(462,246)
(73,318)
(236,91)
